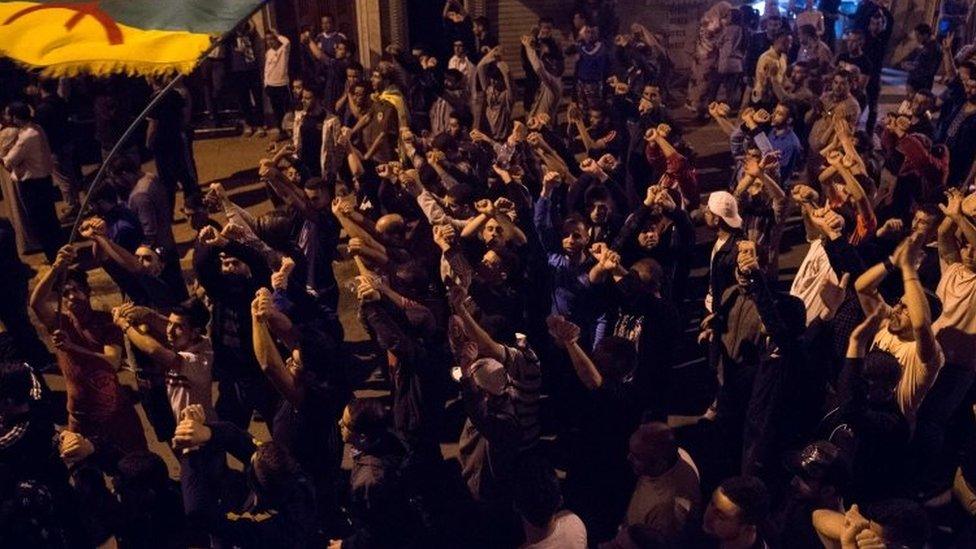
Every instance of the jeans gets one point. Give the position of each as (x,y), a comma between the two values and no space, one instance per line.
(175,164)
(67,174)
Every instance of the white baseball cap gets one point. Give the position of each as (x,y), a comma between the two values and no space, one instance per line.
(724,205)
(489,375)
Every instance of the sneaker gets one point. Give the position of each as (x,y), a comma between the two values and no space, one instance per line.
(261,133)
(247,131)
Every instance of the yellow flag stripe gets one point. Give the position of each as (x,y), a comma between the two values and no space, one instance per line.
(40,39)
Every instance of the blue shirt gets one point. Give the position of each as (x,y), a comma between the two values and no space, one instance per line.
(788,144)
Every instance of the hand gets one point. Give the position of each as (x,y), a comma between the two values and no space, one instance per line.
(279,279)
(62,341)
(478,135)
(833,295)
(208,236)
(828,222)
(407,136)
(456,296)
(504,206)
(854,524)
(651,135)
(953,208)
(535,139)
(444,236)
(588,165)
(73,447)
(760,116)
(66,256)
(266,168)
(610,261)
(664,199)
(621,40)
(543,119)
(802,194)
(706,331)
(907,254)
(605,141)
(947,41)
(747,260)
(573,113)
(233,231)
(864,333)
(435,157)
(607,162)
(563,332)
(484,206)
(367,289)
(305,37)
(192,432)
(261,305)
(339,208)
(663,130)
(335,544)
(891,228)
(356,246)
(92,227)
(410,179)
(752,167)
(834,158)
(598,250)
(550,181)
(770,159)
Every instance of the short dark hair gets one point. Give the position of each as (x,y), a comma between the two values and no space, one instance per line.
(19,110)
(923,29)
(143,470)
(315,184)
(650,272)
(749,494)
(195,311)
(882,368)
(79,277)
(905,523)
(125,164)
(537,495)
(368,415)
(615,357)
(481,20)
(461,193)
(15,382)
(807,30)
(273,465)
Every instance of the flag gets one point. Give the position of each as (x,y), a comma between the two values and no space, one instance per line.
(108,36)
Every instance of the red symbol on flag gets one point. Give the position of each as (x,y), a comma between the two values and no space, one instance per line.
(112,31)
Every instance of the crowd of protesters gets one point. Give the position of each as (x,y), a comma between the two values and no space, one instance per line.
(523,255)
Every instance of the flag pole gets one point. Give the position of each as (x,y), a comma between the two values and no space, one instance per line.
(100,175)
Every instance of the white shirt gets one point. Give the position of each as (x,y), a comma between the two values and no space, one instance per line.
(192,383)
(276,64)
(568,532)
(464,65)
(955,329)
(916,379)
(813,273)
(30,155)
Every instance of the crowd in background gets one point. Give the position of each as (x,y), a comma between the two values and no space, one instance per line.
(523,255)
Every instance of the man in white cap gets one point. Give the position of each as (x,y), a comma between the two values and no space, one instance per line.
(722,216)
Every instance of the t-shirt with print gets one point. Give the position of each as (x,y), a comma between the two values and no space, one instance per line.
(955,329)
(191,383)
(91,384)
(525,376)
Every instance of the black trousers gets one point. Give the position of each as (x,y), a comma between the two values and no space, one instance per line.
(279,97)
(38,196)
(176,165)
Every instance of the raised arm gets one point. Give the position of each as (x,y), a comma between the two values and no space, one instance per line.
(955,218)
(918,309)
(283,380)
(487,347)
(566,334)
(161,355)
(42,299)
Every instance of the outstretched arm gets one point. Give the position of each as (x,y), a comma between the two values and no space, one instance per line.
(283,380)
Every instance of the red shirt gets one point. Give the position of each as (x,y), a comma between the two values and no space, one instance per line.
(94,392)
(678,173)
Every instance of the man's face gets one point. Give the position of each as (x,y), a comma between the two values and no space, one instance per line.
(783,43)
(359,94)
(327,24)
(970,87)
(74,297)
(924,223)
(491,268)
(899,323)
(839,86)
(648,238)
(588,34)
(10,119)
(781,116)
(352,75)
(341,50)
(230,265)
(968,256)
(271,41)
(376,80)
(455,208)
(595,117)
(855,42)
(453,126)
(545,30)
(877,24)
(308,98)
(179,333)
(493,234)
(600,212)
(799,74)
(150,261)
(458,48)
(711,220)
(478,28)
(318,199)
(297,87)
(575,239)
(652,94)
(722,518)
(773,26)
(920,103)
